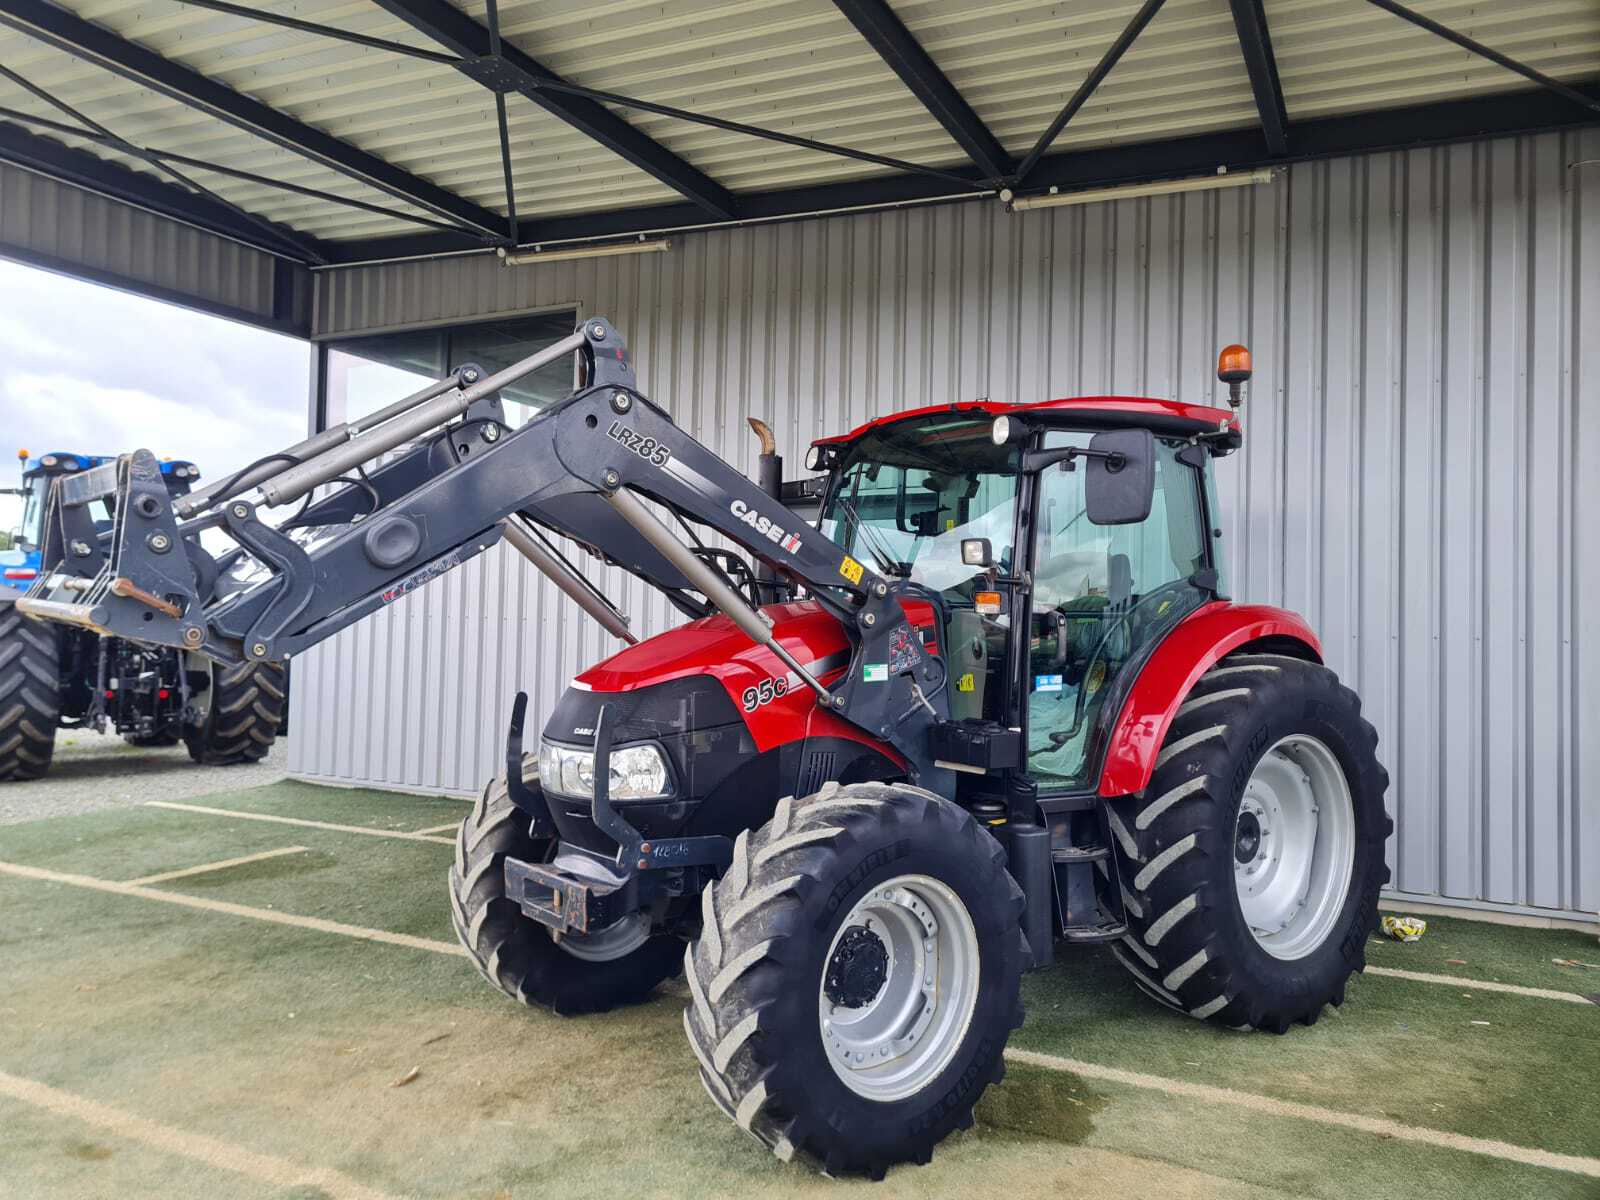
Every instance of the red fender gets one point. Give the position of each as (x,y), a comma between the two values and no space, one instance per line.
(1186,653)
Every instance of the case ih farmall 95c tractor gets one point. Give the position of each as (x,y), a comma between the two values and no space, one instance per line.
(995,701)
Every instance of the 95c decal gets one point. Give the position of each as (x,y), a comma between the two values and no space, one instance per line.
(764,692)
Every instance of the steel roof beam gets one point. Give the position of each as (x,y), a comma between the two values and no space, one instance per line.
(1250,21)
(63,30)
(515,71)
(757,131)
(1494,56)
(114,142)
(1115,51)
(885,32)
(1500,115)
(46,156)
(99,133)
(505,131)
(328,31)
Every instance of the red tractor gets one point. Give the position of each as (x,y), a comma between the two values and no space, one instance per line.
(996,700)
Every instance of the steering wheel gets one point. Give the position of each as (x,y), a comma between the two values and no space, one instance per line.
(1173,588)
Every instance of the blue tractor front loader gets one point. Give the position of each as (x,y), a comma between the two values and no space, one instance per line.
(60,677)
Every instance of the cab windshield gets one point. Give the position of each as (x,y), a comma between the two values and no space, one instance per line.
(909,493)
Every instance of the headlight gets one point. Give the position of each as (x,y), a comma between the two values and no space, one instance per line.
(637,772)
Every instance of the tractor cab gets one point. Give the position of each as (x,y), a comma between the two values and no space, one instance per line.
(19,564)
(1063,540)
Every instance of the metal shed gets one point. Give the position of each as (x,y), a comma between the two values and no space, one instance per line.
(865,213)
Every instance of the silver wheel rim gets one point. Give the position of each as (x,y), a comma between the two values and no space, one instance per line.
(1294,847)
(897,1043)
(612,942)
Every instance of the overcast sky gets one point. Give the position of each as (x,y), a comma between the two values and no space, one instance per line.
(98,371)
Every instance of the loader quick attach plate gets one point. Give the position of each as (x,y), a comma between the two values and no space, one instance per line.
(562,902)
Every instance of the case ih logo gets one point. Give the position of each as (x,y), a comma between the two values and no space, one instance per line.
(776,534)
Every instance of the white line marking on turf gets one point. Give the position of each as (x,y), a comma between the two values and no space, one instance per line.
(452,827)
(237,910)
(1381,1126)
(204,868)
(250,816)
(1207,1093)
(1480,985)
(213,1152)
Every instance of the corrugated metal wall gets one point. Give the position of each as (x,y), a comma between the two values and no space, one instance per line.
(61,227)
(1423,443)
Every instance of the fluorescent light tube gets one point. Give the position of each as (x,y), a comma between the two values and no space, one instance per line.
(1161,187)
(523,258)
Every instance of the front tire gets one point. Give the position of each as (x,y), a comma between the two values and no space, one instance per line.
(517,954)
(1251,863)
(30,695)
(856,976)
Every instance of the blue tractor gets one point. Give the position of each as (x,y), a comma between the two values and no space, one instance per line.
(57,676)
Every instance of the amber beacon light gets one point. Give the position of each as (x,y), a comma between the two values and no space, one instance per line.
(1233,368)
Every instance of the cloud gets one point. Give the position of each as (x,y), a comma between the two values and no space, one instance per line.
(95,370)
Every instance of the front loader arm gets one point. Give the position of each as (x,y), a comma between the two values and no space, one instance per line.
(606,445)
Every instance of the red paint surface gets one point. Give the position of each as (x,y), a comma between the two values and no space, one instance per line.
(1187,653)
(715,646)
(1139,406)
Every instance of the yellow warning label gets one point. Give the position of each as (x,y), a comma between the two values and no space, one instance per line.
(967,683)
(850,569)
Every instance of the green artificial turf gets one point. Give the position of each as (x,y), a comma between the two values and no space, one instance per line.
(288,1042)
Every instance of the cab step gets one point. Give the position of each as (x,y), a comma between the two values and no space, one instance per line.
(1080,854)
(1089,935)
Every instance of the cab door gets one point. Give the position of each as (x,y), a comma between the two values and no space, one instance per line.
(1101,595)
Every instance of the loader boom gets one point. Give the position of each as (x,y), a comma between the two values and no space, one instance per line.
(583,467)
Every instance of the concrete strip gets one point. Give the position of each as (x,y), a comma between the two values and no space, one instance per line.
(251,816)
(269,915)
(1480,985)
(450,828)
(213,1152)
(1488,914)
(1378,1126)
(205,868)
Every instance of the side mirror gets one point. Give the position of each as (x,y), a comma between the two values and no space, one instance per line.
(976,552)
(1120,483)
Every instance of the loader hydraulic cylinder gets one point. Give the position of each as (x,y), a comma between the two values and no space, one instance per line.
(297,481)
(581,594)
(710,584)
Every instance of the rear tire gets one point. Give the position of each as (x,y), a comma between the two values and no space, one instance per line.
(240,718)
(30,695)
(799,976)
(516,953)
(1251,863)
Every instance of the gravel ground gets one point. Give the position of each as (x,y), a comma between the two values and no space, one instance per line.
(93,771)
